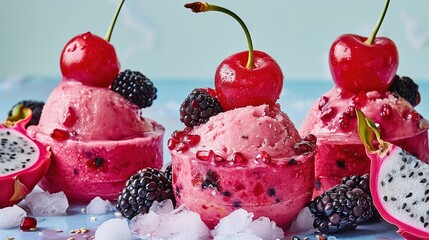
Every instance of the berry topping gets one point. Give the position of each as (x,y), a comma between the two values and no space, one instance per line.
(36,110)
(135,87)
(406,88)
(340,209)
(198,107)
(141,190)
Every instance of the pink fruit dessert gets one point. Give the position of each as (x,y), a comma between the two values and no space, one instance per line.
(248,155)
(23,161)
(94,125)
(399,183)
(369,83)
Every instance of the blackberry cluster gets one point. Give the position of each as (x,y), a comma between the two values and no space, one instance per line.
(36,109)
(141,190)
(135,87)
(406,88)
(340,209)
(198,107)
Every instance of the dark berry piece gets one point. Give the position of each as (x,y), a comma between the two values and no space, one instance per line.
(361,182)
(36,109)
(135,87)
(340,209)
(168,169)
(406,88)
(198,107)
(141,190)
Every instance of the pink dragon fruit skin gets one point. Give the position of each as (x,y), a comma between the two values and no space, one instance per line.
(390,159)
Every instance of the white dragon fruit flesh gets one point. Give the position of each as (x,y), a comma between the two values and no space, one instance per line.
(399,183)
(23,161)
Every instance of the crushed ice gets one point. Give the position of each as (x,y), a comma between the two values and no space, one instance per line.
(45,204)
(10,217)
(164,222)
(113,229)
(98,206)
(239,225)
(303,221)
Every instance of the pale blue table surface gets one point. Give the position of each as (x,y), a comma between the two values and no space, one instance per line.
(296,99)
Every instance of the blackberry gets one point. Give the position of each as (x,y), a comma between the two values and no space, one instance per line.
(198,107)
(141,190)
(36,109)
(135,87)
(406,88)
(340,209)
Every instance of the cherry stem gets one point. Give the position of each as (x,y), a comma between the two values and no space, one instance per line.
(112,24)
(204,7)
(371,38)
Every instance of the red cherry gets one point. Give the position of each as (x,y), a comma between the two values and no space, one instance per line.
(238,86)
(358,66)
(89,59)
(364,64)
(245,78)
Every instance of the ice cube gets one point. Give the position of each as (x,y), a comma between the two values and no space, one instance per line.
(113,229)
(98,206)
(179,224)
(266,229)
(235,222)
(303,221)
(10,217)
(163,207)
(45,204)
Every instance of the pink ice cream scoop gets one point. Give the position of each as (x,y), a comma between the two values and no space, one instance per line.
(98,140)
(251,158)
(340,153)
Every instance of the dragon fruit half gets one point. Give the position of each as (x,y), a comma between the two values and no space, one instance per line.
(399,183)
(23,161)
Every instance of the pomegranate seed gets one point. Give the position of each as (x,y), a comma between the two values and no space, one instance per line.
(216,158)
(412,115)
(323,101)
(204,155)
(351,111)
(263,157)
(178,135)
(171,143)
(28,224)
(70,117)
(191,140)
(311,138)
(386,111)
(360,99)
(59,134)
(182,147)
(327,114)
(344,120)
(237,158)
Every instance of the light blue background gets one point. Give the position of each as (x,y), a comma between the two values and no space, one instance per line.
(166,41)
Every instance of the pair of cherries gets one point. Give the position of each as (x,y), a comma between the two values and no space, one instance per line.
(250,77)
(92,60)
